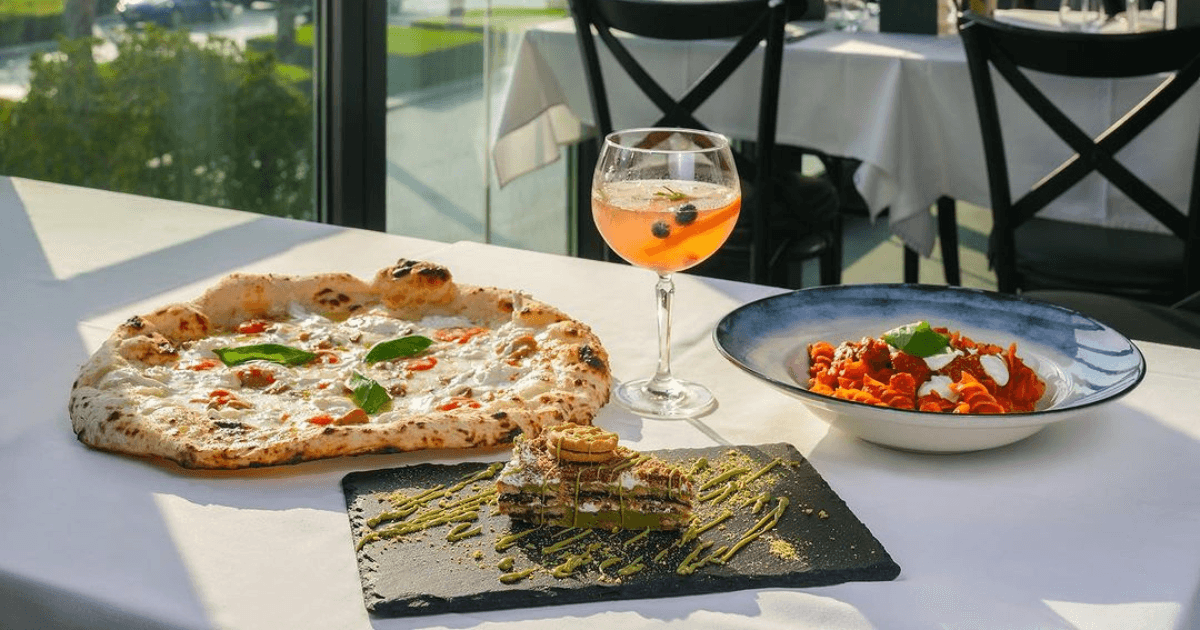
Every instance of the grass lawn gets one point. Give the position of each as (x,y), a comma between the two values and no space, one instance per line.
(304,36)
(30,8)
(406,41)
(292,73)
(414,41)
(503,18)
(409,41)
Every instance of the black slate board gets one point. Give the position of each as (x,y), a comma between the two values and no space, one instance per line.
(424,574)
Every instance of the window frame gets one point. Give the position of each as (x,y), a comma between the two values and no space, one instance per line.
(351,113)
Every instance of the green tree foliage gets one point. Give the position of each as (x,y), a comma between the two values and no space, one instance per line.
(170,117)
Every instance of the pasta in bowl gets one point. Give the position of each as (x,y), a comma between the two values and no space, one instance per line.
(1055,363)
(920,367)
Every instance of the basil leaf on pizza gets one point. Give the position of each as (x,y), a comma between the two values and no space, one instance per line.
(367,394)
(401,348)
(273,352)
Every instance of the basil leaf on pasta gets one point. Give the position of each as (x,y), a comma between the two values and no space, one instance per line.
(917,339)
(367,394)
(273,352)
(397,348)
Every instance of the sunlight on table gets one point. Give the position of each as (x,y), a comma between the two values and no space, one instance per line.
(253,557)
(1085,616)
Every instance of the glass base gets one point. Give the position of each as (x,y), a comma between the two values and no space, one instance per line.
(668,400)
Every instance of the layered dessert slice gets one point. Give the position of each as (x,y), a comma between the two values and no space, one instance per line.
(578,476)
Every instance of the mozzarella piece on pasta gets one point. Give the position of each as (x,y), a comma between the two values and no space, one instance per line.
(995,367)
(940,384)
(942,359)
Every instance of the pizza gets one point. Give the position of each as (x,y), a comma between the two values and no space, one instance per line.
(272,369)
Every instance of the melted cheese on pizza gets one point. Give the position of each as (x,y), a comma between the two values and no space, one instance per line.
(476,369)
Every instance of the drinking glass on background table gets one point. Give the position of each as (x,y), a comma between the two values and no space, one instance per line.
(665,200)
(846,15)
(1133,16)
(1087,16)
(1157,16)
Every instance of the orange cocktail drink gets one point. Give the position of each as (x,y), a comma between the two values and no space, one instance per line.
(665,199)
(665,225)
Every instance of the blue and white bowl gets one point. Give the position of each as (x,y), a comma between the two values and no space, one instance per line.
(1084,363)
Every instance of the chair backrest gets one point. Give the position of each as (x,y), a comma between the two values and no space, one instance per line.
(1010,50)
(751,21)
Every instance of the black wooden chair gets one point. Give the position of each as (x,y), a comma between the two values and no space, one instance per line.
(1110,273)
(1032,253)
(786,216)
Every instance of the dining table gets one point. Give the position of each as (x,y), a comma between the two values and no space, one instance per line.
(1092,523)
(900,103)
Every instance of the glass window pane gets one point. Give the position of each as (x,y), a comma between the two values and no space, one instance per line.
(448,62)
(206,101)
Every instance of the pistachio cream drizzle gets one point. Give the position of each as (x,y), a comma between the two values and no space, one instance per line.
(462,511)
(728,486)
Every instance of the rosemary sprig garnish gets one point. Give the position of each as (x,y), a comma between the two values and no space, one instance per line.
(671,195)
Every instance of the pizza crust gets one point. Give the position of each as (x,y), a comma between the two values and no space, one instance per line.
(132,413)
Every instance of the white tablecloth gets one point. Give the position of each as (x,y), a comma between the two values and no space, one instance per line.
(1091,524)
(900,103)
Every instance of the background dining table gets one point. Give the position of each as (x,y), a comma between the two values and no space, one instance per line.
(900,103)
(1093,523)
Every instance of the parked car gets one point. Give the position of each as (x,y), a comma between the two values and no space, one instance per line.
(170,13)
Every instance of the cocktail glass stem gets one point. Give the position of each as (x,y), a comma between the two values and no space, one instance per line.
(663,396)
(660,384)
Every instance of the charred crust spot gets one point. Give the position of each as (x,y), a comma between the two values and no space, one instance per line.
(231,425)
(512,435)
(500,415)
(329,431)
(329,297)
(113,416)
(434,273)
(506,305)
(590,358)
(403,268)
(135,322)
(353,307)
(296,458)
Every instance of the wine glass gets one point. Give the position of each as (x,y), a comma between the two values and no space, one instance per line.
(665,200)
(1088,16)
(846,15)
